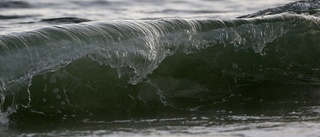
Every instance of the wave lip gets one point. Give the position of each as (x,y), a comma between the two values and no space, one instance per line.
(300,7)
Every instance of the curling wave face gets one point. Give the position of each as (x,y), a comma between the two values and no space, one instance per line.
(117,68)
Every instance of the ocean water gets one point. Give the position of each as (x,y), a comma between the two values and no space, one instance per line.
(160,68)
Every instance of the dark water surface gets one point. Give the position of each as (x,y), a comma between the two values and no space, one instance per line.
(159,68)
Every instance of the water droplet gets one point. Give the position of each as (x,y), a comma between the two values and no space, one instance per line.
(58,97)
(45,88)
(55,90)
(235,66)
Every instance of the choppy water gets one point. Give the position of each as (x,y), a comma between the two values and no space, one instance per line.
(159,68)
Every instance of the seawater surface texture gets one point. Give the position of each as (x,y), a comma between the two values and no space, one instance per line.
(225,68)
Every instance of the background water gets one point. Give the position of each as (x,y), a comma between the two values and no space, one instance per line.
(159,68)
(23,15)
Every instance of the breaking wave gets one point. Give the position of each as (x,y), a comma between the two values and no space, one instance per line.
(118,68)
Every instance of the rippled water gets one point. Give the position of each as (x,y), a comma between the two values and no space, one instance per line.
(23,15)
(159,68)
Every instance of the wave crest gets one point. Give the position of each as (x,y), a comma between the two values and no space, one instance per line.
(121,66)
